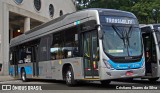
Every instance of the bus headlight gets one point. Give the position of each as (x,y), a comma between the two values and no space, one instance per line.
(108,65)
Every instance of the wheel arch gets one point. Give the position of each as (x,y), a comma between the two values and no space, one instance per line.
(65,68)
(22,68)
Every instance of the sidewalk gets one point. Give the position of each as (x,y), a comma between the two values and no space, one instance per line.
(5,78)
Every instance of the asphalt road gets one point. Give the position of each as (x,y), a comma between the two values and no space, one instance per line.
(51,86)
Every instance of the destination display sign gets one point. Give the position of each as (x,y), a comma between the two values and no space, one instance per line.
(118,20)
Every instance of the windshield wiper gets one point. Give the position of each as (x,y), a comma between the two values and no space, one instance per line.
(121,36)
(127,35)
(124,36)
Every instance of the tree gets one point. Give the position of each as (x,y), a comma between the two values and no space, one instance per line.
(81,4)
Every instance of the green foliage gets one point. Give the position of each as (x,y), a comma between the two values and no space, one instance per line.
(143,9)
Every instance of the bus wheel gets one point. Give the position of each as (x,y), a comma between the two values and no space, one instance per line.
(153,79)
(70,77)
(23,75)
(129,79)
(105,82)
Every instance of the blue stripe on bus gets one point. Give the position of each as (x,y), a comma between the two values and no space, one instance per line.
(127,65)
(11,71)
(28,70)
(19,71)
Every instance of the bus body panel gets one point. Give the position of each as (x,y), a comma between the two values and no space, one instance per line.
(155,66)
(12,70)
(53,69)
(158,61)
(28,67)
(158,71)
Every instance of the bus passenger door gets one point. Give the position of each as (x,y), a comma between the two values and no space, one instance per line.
(150,54)
(35,61)
(15,63)
(90,54)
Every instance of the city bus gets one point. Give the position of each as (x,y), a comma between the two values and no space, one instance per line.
(151,41)
(88,45)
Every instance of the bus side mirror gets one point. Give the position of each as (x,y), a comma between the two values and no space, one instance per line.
(100,33)
(97,25)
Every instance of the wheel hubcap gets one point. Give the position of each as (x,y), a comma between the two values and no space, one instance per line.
(68,77)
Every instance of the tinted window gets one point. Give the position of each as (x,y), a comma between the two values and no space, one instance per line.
(44,48)
(146,29)
(24,53)
(64,44)
(156,27)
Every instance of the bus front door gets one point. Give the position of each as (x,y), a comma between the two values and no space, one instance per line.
(90,54)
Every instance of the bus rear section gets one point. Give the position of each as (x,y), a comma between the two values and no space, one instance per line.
(150,34)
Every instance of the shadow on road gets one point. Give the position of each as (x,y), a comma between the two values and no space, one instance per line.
(60,85)
(143,81)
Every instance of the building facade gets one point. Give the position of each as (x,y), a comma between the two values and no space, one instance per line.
(19,16)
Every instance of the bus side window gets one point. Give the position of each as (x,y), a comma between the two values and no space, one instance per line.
(56,46)
(11,57)
(64,44)
(97,54)
(71,43)
(34,53)
(28,53)
(44,48)
(21,55)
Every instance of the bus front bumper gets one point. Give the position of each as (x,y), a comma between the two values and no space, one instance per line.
(118,74)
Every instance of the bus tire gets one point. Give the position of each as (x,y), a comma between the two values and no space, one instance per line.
(69,77)
(23,75)
(105,82)
(153,79)
(129,79)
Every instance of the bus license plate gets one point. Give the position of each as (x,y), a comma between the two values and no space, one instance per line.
(129,73)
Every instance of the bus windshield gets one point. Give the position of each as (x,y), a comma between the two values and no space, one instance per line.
(122,41)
